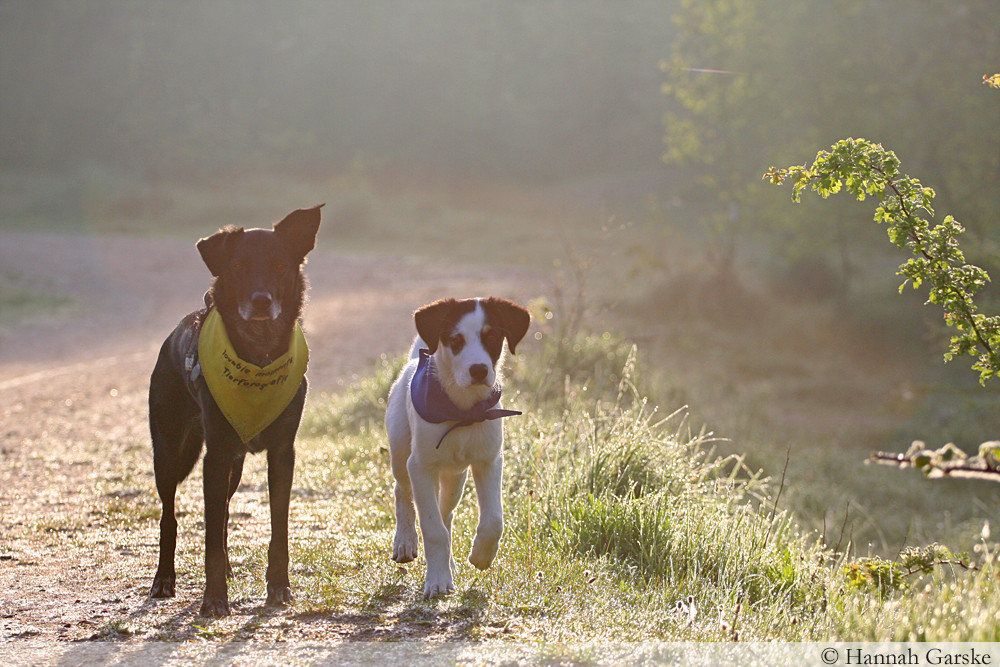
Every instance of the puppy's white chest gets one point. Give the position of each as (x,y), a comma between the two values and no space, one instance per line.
(464,445)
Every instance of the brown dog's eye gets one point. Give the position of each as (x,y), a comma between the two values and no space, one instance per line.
(238,266)
(280,267)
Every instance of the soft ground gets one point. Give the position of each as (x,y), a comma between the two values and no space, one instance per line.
(74,561)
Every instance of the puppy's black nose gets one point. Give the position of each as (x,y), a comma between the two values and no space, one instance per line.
(478,372)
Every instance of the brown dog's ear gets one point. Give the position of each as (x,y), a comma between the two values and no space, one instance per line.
(512,318)
(431,319)
(214,249)
(299,228)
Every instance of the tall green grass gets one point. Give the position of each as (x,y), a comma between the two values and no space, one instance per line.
(621,521)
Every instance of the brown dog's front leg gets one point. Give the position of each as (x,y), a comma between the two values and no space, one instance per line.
(218,465)
(280,464)
(235,475)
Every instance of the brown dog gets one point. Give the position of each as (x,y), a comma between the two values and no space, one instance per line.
(255,301)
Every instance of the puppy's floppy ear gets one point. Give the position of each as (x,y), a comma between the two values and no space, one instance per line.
(431,320)
(299,229)
(511,318)
(215,249)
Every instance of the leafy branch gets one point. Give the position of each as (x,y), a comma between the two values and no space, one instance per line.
(947,461)
(867,169)
(886,576)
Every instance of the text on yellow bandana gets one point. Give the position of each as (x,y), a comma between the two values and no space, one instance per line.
(251,397)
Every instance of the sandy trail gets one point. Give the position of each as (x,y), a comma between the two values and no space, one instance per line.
(77,379)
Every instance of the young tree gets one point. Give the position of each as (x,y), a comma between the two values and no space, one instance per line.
(867,169)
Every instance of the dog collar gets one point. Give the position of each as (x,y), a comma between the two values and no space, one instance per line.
(251,397)
(433,405)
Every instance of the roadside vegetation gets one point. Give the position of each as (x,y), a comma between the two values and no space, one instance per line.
(622,523)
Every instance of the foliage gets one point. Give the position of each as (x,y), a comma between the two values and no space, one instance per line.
(866,169)
(714,120)
(888,576)
(750,83)
(948,461)
(713,39)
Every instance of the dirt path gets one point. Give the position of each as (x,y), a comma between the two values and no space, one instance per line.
(73,396)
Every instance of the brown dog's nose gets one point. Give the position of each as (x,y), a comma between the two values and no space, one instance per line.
(478,372)
(260,302)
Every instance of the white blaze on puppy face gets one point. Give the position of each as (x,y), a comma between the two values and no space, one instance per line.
(463,354)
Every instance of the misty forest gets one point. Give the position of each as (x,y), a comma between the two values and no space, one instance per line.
(710,367)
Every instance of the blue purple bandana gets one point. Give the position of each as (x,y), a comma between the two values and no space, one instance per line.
(433,405)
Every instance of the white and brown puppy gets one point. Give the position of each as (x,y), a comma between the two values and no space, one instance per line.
(442,419)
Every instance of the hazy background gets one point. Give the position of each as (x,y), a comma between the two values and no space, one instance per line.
(445,121)
(518,90)
(526,90)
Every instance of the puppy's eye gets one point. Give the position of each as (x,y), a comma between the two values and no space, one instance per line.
(238,266)
(280,267)
(456,343)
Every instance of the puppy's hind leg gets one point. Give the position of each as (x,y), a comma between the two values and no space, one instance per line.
(165,579)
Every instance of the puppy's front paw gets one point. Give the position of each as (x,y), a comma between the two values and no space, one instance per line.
(404,546)
(436,587)
(483,553)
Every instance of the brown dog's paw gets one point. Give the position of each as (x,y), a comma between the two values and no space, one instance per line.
(278,596)
(214,607)
(163,587)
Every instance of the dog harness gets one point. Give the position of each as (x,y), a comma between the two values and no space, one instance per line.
(433,405)
(251,397)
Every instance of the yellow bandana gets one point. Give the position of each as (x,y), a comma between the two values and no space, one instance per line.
(249,396)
